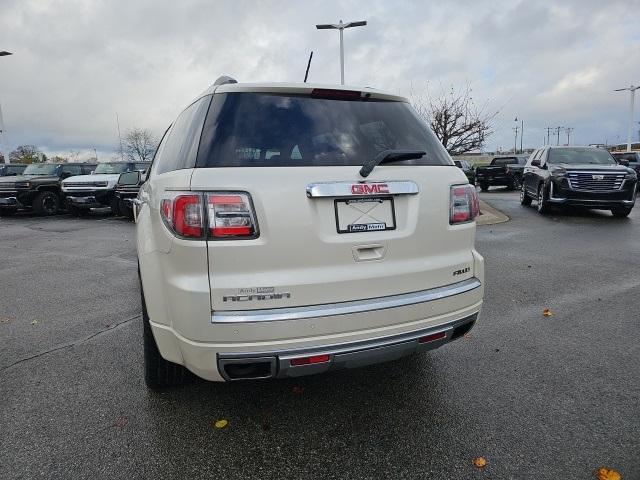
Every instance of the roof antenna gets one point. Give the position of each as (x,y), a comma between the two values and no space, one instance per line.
(306,74)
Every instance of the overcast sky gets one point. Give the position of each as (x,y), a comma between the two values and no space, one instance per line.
(77,63)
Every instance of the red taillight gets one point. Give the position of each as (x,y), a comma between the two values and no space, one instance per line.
(464,206)
(183,215)
(231,215)
(432,338)
(309,360)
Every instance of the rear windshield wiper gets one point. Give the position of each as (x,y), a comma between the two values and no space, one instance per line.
(388,156)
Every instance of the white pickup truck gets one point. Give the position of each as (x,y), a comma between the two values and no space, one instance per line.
(97,190)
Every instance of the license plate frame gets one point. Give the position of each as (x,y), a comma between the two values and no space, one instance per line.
(380,226)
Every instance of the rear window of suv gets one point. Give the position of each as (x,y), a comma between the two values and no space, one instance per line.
(269,130)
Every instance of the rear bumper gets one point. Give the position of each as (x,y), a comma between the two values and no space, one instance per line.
(498,180)
(262,365)
(351,333)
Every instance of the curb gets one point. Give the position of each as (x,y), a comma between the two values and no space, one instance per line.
(489,215)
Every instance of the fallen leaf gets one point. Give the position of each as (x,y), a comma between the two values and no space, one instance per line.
(479,462)
(266,421)
(298,390)
(5,319)
(121,422)
(467,335)
(606,474)
(546,312)
(34,322)
(221,423)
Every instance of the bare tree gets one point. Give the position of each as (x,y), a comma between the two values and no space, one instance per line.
(139,144)
(460,124)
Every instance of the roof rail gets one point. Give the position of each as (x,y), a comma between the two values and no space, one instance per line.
(223,80)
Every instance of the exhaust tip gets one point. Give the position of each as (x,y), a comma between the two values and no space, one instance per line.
(247,368)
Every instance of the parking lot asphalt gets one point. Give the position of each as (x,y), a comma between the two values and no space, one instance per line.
(544,397)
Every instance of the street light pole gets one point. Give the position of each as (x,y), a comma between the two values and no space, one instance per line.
(4,145)
(341,26)
(631,89)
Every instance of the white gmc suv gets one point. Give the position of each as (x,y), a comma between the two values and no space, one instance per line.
(292,229)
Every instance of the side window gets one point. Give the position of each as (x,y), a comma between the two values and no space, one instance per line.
(179,148)
(87,169)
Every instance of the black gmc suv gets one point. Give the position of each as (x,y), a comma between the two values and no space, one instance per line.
(578,176)
(38,187)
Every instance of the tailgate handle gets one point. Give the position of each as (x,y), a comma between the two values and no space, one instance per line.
(366,253)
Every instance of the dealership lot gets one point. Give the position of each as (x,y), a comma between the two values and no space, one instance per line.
(539,397)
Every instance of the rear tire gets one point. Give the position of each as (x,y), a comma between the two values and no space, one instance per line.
(621,212)
(525,199)
(516,183)
(46,203)
(7,212)
(543,204)
(158,372)
(484,187)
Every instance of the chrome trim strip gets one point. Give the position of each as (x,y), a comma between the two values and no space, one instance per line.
(344,189)
(344,308)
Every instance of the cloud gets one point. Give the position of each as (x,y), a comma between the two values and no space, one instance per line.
(77,63)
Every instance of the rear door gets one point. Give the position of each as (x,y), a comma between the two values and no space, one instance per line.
(320,233)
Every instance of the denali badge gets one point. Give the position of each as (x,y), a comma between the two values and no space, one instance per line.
(597,177)
(368,188)
(462,271)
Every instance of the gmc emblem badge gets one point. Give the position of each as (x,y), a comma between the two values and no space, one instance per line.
(597,177)
(369,188)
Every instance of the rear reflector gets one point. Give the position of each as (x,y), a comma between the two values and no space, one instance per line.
(231,215)
(309,360)
(464,204)
(433,337)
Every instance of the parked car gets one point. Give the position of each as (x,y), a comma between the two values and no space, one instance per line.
(290,229)
(11,169)
(38,187)
(578,176)
(468,170)
(97,191)
(502,171)
(127,190)
(628,159)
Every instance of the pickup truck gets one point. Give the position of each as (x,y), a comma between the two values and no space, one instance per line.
(38,188)
(97,190)
(502,171)
(127,190)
